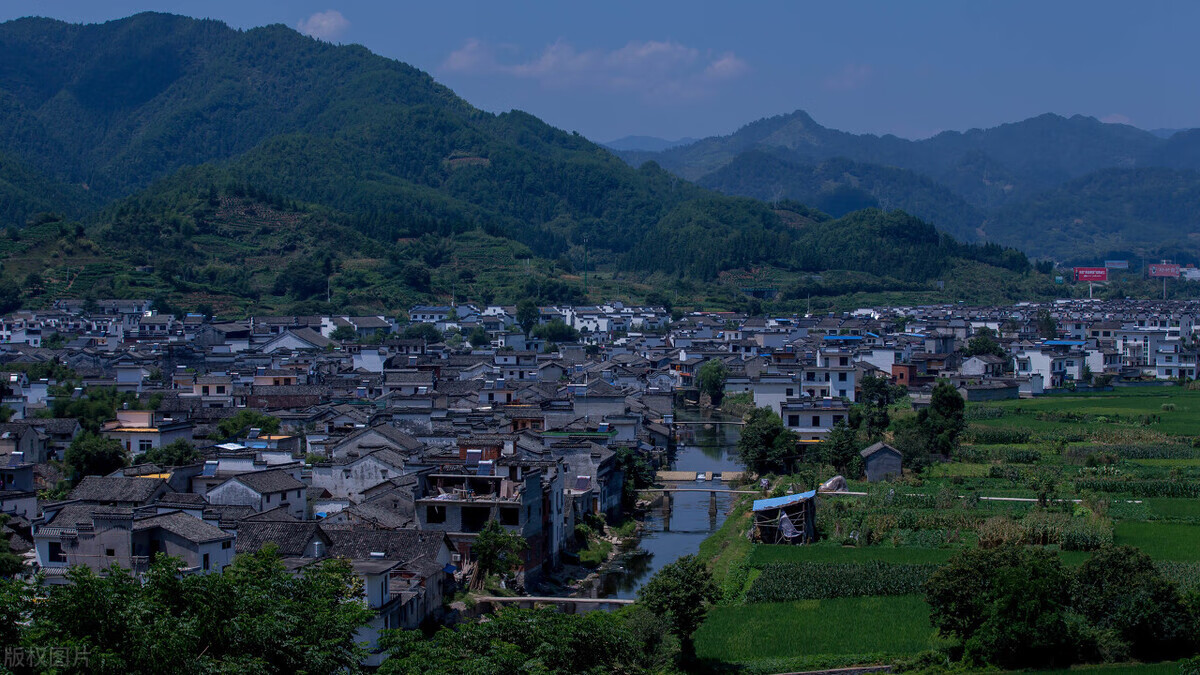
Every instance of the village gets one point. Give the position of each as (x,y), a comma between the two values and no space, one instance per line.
(394,444)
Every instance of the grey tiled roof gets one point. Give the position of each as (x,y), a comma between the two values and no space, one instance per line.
(181,524)
(116,489)
(264,482)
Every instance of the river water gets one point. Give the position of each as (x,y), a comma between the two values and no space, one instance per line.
(693,516)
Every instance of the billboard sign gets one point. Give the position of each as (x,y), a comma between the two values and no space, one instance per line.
(1117,264)
(1091,274)
(1165,270)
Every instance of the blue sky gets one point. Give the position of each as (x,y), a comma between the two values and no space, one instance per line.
(698,68)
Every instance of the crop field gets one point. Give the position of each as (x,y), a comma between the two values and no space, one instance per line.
(896,625)
(1162,541)
(1079,473)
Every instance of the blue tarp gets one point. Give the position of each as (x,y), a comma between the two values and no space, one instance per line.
(776,502)
(1065,343)
(843,337)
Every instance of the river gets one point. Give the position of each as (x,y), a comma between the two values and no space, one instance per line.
(692,517)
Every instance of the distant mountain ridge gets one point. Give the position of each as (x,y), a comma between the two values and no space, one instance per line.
(646,143)
(263,167)
(991,171)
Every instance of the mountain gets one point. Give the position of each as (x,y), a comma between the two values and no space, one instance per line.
(646,143)
(969,183)
(262,167)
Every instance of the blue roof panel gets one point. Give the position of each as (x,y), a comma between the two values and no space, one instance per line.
(776,502)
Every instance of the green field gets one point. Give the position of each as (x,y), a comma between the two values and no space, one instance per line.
(896,625)
(1162,541)
(1120,410)
(764,554)
(1174,508)
(1166,668)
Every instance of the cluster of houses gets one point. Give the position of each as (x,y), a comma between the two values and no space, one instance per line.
(395,453)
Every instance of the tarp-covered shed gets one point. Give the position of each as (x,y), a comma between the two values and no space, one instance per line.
(790,519)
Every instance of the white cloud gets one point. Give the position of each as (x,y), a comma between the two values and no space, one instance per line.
(328,25)
(849,77)
(1116,118)
(653,69)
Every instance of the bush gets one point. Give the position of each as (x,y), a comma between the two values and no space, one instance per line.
(1140,488)
(784,582)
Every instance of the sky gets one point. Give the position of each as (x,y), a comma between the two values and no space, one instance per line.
(697,68)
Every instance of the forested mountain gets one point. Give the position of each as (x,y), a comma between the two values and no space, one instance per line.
(983,183)
(217,162)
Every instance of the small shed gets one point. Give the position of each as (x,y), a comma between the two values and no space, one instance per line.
(881,462)
(790,519)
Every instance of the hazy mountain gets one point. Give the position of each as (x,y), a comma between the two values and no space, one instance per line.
(646,143)
(968,183)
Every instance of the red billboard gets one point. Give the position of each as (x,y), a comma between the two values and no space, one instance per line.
(1170,271)
(1091,274)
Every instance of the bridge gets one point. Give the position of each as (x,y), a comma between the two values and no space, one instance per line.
(566,605)
(690,476)
(696,489)
(737,423)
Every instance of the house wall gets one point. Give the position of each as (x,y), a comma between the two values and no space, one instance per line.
(348,481)
(236,494)
(881,465)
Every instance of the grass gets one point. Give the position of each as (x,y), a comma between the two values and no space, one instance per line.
(728,544)
(1162,541)
(896,625)
(1165,668)
(1128,404)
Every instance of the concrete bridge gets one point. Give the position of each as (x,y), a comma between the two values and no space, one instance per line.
(690,476)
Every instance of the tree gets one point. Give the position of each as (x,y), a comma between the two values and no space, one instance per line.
(94,455)
(528,315)
(1006,606)
(10,296)
(984,343)
(239,424)
(638,471)
(1046,326)
(681,593)
(877,394)
(423,331)
(712,379)
(254,617)
(495,551)
(10,563)
(479,337)
(416,276)
(944,419)
(841,447)
(513,640)
(765,445)
(1121,590)
(176,453)
(344,334)
(556,330)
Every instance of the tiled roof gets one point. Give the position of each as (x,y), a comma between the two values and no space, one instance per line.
(116,489)
(181,524)
(264,482)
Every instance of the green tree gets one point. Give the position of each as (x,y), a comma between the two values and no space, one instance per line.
(423,331)
(841,448)
(10,563)
(681,593)
(416,276)
(495,551)
(94,455)
(1119,589)
(944,419)
(712,378)
(984,343)
(765,444)
(344,334)
(244,420)
(1007,606)
(1047,328)
(175,453)
(528,315)
(877,394)
(479,337)
(556,330)
(638,471)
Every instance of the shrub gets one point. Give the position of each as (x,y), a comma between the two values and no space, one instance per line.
(996,435)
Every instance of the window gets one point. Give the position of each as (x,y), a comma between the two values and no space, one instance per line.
(204,564)
(843,361)
(435,514)
(204,390)
(112,553)
(220,389)
(816,420)
(842,393)
(841,377)
(56,552)
(837,418)
(793,420)
(145,445)
(226,544)
(510,515)
(791,392)
(383,474)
